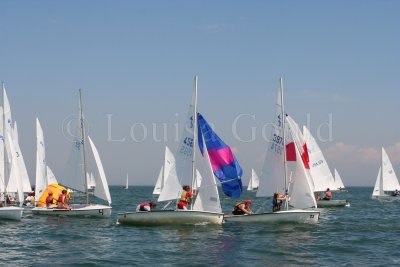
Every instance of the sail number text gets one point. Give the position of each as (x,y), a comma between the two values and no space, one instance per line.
(277,139)
(187,147)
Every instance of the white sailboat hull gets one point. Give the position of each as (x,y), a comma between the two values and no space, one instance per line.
(97,211)
(11,213)
(292,216)
(332,203)
(170,217)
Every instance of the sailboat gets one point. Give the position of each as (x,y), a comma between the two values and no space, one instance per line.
(78,168)
(9,168)
(169,160)
(339,182)
(279,162)
(387,180)
(91,181)
(206,208)
(254,181)
(320,173)
(127,182)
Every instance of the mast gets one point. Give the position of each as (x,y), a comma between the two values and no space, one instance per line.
(83,148)
(194,137)
(284,145)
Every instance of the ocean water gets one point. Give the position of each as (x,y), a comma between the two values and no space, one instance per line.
(365,234)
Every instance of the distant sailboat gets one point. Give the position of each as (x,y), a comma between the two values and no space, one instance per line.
(320,173)
(91,181)
(169,160)
(254,181)
(127,182)
(387,180)
(339,181)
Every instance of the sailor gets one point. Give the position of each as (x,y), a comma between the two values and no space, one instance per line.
(30,199)
(146,206)
(277,202)
(328,194)
(49,200)
(62,201)
(186,196)
(242,208)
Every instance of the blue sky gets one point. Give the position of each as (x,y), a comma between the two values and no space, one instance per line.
(135,61)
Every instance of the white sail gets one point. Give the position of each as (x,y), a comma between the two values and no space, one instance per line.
(41,181)
(102,190)
(338,180)
(73,172)
(181,170)
(26,185)
(320,173)
(301,193)
(127,182)
(51,178)
(207,196)
(21,162)
(169,160)
(197,181)
(378,189)
(390,181)
(159,183)
(272,175)
(2,163)
(12,184)
(15,169)
(15,133)
(254,181)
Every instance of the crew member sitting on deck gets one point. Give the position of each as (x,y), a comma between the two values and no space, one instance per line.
(146,206)
(62,200)
(242,208)
(328,195)
(395,193)
(277,202)
(30,199)
(185,197)
(50,200)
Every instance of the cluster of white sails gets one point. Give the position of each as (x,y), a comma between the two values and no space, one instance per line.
(14,178)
